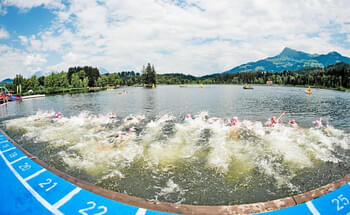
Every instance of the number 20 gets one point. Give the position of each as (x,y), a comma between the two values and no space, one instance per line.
(341,201)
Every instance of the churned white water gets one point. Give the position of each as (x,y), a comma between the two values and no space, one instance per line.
(166,153)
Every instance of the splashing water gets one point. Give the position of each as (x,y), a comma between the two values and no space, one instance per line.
(188,161)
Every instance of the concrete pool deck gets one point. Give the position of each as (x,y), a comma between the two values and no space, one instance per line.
(30,186)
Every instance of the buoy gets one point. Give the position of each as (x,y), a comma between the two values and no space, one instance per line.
(153,86)
(308,90)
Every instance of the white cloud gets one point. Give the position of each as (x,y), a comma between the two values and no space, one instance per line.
(34,60)
(25,4)
(3,10)
(198,37)
(4,34)
(23,39)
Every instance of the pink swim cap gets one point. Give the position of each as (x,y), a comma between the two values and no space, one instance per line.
(188,116)
(273,118)
(119,133)
(132,129)
(318,123)
(292,121)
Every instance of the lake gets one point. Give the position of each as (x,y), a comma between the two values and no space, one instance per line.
(136,141)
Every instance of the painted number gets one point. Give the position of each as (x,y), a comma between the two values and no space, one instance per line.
(93,205)
(48,184)
(13,154)
(340,201)
(24,167)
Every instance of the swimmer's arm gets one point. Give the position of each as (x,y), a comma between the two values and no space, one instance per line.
(281,116)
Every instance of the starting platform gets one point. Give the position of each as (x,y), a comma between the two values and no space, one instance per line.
(28,188)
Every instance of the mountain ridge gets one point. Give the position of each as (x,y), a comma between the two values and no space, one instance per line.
(290,59)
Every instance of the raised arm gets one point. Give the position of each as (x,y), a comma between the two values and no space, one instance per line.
(281,116)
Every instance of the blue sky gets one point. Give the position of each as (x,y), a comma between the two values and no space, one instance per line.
(195,37)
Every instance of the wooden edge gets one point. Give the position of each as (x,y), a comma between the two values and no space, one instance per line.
(185,208)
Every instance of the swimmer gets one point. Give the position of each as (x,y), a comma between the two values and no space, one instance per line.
(293,124)
(131,130)
(188,119)
(59,115)
(166,117)
(234,121)
(214,119)
(318,123)
(120,133)
(275,120)
(112,115)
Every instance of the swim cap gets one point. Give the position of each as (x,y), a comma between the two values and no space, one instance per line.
(318,123)
(119,133)
(58,115)
(292,121)
(188,116)
(273,118)
(132,129)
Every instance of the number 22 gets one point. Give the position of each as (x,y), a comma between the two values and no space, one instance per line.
(82,211)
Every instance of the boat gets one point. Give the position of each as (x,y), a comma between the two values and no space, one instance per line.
(247,87)
(5,95)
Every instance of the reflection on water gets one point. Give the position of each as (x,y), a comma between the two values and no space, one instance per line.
(139,143)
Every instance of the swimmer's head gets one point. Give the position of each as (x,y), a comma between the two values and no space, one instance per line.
(132,129)
(318,123)
(188,116)
(119,133)
(273,119)
(292,122)
(58,115)
(234,120)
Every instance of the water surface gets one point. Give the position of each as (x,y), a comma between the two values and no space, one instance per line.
(138,142)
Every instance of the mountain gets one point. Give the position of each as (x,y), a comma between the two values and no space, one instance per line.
(8,80)
(103,70)
(39,74)
(290,59)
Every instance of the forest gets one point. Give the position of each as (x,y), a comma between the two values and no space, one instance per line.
(80,79)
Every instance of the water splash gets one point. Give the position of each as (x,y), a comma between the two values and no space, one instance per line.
(106,146)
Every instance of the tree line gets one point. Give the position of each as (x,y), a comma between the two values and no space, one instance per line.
(333,76)
(80,78)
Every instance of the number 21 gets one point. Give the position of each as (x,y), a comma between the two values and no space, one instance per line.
(48,182)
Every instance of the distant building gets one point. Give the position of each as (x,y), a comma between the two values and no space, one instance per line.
(269,83)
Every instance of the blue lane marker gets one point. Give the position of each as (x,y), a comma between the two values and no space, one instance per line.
(50,187)
(5,145)
(297,209)
(15,199)
(86,202)
(13,155)
(26,167)
(336,202)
